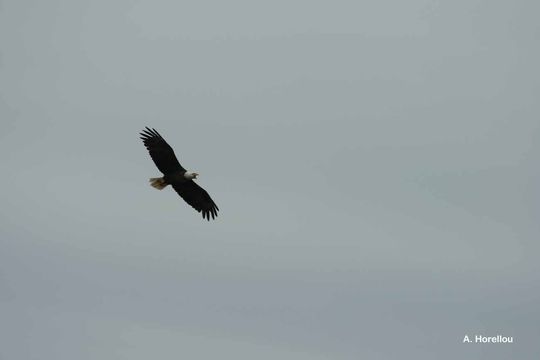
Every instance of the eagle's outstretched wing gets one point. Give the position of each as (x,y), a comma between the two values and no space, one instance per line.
(161,152)
(197,197)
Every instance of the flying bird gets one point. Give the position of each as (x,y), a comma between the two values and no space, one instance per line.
(175,175)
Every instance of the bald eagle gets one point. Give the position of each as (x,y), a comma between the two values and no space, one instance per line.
(176,176)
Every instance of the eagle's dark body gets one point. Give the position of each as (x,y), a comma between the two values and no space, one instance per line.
(175,175)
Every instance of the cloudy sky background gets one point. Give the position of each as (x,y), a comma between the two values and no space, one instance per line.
(375,164)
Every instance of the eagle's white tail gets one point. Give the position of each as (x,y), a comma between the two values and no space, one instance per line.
(158,183)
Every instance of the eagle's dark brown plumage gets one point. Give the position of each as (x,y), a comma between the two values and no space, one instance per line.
(176,176)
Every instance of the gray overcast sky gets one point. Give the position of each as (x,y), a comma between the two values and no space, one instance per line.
(375,164)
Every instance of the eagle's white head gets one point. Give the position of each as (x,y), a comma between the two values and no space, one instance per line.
(190,175)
